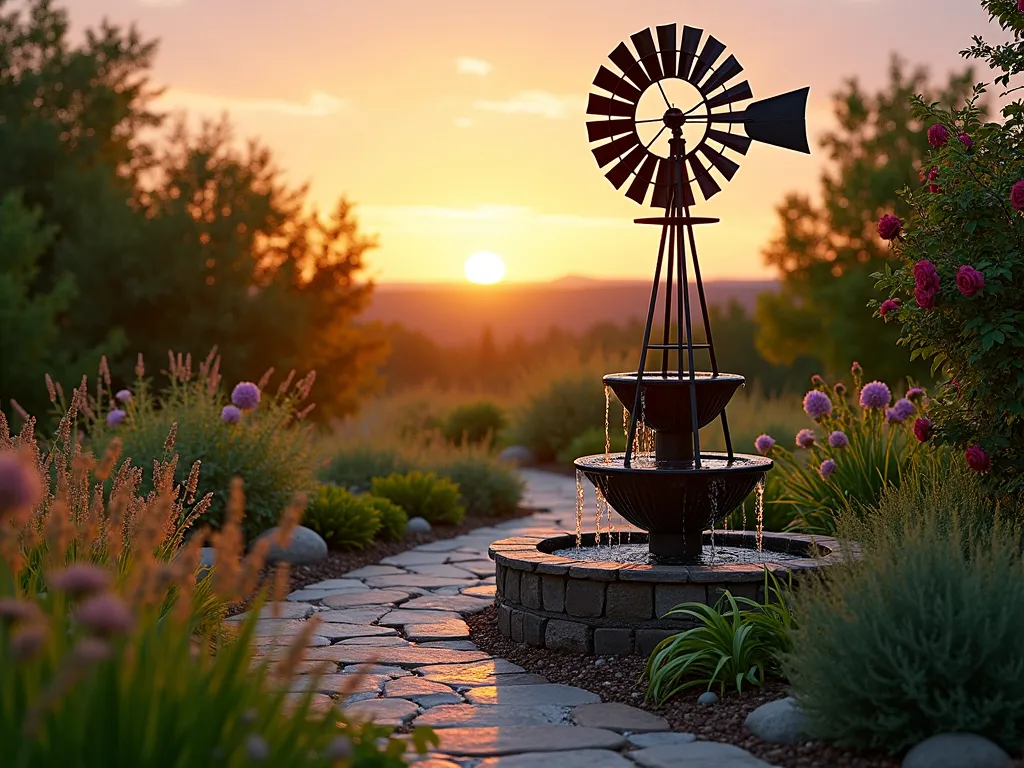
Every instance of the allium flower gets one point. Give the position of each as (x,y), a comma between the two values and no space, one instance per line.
(901,410)
(889,227)
(888,306)
(922,430)
(231,414)
(805,438)
(14,609)
(80,579)
(828,466)
(116,417)
(933,176)
(840,388)
(92,649)
(256,747)
(817,404)
(875,394)
(838,439)
(123,396)
(105,614)
(926,282)
(977,459)
(1017,196)
(969,280)
(245,395)
(20,488)
(938,135)
(763,444)
(28,640)
(914,394)
(340,747)
(967,141)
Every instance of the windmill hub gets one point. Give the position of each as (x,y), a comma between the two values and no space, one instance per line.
(674,119)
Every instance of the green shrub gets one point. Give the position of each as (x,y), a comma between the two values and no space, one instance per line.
(738,641)
(914,640)
(436,499)
(565,409)
(392,518)
(357,465)
(591,441)
(266,448)
(487,487)
(344,520)
(474,423)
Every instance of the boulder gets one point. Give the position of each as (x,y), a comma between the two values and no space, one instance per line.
(306,547)
(517,456)
(708,697)
(956,750)
(417,525)
(780,722)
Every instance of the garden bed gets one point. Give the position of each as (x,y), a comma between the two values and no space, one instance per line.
(617,678)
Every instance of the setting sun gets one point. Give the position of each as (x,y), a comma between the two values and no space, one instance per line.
(484,268)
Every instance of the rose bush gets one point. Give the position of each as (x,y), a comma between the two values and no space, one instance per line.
(962,254)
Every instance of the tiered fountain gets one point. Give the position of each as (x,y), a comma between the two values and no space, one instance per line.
(605,593)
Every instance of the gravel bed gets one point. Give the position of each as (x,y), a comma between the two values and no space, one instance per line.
(617,678)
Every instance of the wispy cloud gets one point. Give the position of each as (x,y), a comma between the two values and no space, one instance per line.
(466,65)
(319,104)
(548,105)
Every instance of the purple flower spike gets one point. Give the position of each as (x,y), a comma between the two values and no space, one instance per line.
(875,395)
(817,404)
(231,414)
(828,466)
(116,417)
(245,395)
(901,410)
(838,439)
(763,444)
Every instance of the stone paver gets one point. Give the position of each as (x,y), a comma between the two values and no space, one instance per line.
(392,647)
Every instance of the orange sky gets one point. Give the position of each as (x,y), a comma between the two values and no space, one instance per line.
(458,125)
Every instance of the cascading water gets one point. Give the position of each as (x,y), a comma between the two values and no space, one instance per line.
(759,509)
(580,499)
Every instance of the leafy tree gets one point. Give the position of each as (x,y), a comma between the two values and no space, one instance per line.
(828,248)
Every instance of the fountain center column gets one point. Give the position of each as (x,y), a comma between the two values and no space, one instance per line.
(673,448)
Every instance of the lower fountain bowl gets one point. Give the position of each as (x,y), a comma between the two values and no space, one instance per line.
(597,605)
(675,503)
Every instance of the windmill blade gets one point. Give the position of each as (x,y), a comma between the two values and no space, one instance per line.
(722,75)
(644,176)
(708,186)
(739,92)
(667,43)
(644,43)
(731,140)
(616,85)
(688,51)
(724,165)
(614,149)
(713,48)
(602,105)
(623,169)
(624,60)
(780,121)
(605,129)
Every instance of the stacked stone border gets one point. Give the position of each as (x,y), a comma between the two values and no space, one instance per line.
(605,608)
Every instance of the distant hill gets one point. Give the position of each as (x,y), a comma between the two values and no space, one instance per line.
(457,313)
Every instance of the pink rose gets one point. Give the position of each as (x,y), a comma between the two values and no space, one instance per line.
(923,427)
(977,459)
(889,227)
(938,135)
(1017,196)
(888,306)
(933,176)
(969,280)
(926,279)
(967,141)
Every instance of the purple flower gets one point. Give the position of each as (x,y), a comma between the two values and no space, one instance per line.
(889,227)
(81,579)
(805,438)
(231,414)
(926,284)
(763,444)
(914,394)
(902,410)
(969,280)
(977,459)
(20,488)
(838,439)
(245,395)
(105,614)
(875,394)
(123,396)
(938,135)
(967,141)
(828,466)
(116,417)
(888,306)
(923,428)
(817,404)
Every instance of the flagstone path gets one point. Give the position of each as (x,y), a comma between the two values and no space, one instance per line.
(398,651)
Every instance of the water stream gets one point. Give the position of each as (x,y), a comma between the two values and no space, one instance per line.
(580,499)
(759,509)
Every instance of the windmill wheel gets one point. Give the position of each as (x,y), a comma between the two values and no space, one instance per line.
(667,88)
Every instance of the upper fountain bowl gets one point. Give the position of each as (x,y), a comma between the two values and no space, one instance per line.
(666,401)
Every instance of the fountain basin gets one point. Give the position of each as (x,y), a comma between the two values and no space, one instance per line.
(666,399)
(601,607)
(675,503)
